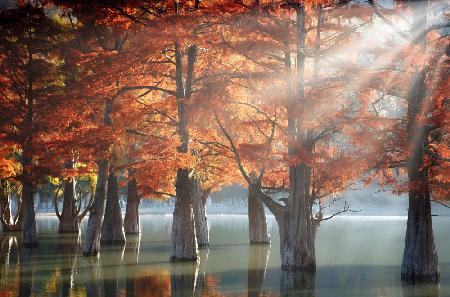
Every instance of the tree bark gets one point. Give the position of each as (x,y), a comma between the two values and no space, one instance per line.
(199,199)
(112,227)
(296,225)
(30,239)
(91,243)
(9,222)
(257,223)
(420,259)
(297,228)
(12,224)
(131,221)
(183,239)
(69,217)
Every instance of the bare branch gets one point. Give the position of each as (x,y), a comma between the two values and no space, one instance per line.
(441,203)
(234,150)
(150,88)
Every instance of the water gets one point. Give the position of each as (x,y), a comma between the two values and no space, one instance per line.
(356,256)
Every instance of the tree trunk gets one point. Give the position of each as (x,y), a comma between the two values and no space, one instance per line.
(9,223)
(199,199)
(297,229)
(131,222)
(112,228)
(184,240)
(420,260)
(30,239)
(296,225)
(91,243)
(69,217)
(257,223)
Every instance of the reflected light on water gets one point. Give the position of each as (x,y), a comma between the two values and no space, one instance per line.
(355,258)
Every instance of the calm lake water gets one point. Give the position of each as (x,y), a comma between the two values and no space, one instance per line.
(356,256)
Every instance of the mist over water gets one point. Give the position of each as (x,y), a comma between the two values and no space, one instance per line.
(356,256)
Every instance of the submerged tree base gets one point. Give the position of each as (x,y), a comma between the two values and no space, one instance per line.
(265,242)
(119,242)
(30,245)
(175,259)
(293,268)
(412,279)
(90,254)
(203,245)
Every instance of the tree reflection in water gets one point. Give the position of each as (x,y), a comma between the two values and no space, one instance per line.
(27,260)
(9,269)
(111,261)
(56,269)
(297,283)
(418,289)
(257,264)
(92,275)
(69,248)
(130,262)
(201,283)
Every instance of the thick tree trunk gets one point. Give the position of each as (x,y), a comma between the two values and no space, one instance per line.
(199,199)
(296,225)
(10,224)
(257,264)
(257,223)
(112,228)
(297,229)
(30,239)
(184,240)
(420,260)
(131,221)
(91,243)
(69,217)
